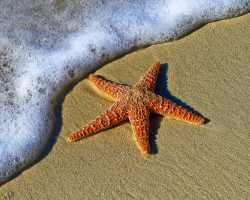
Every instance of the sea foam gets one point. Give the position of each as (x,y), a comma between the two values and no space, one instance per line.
(44,46)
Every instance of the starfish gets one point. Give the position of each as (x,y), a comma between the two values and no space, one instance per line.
(135,103)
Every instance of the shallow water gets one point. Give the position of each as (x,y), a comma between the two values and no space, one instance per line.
(46,46)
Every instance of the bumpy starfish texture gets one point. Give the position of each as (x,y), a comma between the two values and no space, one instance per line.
(134,102)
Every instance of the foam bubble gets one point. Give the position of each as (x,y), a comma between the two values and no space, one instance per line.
(45,46)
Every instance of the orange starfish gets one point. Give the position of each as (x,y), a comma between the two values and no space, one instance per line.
(134,102)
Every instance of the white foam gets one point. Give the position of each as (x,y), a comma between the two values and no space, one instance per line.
(45,46)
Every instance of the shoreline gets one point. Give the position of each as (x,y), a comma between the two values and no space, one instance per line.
(204,79)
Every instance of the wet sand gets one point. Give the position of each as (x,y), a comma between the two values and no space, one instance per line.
(207,71)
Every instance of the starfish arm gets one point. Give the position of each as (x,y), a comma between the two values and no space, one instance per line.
(114,90)
(148,81)
(164,106)
(115,114)
(139,119)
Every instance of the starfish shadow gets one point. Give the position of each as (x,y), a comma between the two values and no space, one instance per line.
(162,89)
(155,123)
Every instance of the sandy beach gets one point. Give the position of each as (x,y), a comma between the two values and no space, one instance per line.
(209,71)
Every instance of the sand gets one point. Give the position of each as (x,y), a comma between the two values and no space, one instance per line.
(208,70)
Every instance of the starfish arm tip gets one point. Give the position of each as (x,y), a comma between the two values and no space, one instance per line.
(92,76)
(72,138)
(69,139)
(201,121)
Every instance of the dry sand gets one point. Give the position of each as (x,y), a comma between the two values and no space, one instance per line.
(209,70)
